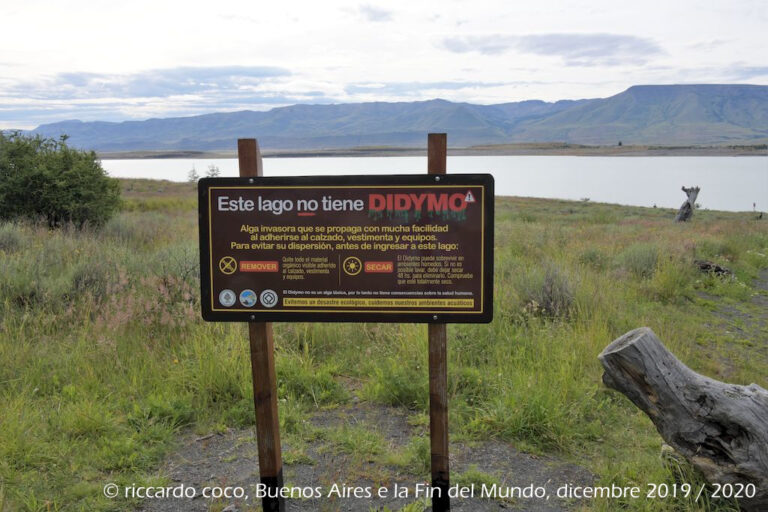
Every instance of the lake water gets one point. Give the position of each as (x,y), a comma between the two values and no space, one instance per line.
(727,183)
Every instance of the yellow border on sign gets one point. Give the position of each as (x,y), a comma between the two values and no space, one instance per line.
(379,302)
(407,312)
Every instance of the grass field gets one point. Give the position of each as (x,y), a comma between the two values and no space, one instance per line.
(104,359)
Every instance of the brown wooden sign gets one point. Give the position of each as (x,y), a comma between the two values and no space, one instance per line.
(347,248)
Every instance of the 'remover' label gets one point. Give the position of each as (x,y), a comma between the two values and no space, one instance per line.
(347,248)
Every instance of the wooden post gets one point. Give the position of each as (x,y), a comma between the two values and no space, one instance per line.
(438,365)
(263,370)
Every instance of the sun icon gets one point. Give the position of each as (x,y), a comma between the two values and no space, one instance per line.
(352,266)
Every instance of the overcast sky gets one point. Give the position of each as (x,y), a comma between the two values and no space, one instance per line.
(107,60)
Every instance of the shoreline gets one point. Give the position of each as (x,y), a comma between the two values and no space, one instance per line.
(528,149)
(153,189)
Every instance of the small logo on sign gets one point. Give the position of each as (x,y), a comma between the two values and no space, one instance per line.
(268,298)
(352,266)
(469,198)
(227,265)
(227,298)
(248,298)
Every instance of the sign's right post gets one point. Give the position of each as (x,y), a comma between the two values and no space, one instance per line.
(438,364)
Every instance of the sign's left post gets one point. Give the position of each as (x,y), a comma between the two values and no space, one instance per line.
(263,370)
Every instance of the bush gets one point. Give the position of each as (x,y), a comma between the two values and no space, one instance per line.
(546,292)
(639,259)
(672,282)
(137,230)
(10,239)
(594,258)
(44,178)
(468,383)
(93,277)
(418,456)
(397,383)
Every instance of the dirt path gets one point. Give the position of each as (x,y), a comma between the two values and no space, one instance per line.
(231,460)
(745,326)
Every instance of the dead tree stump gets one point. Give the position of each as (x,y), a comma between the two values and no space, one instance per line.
(686,210)
(721,429)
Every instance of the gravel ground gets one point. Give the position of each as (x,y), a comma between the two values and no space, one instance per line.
(230,459)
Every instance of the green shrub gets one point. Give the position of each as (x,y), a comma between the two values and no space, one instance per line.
(398,383)
(418,455)
(468,382)
(173,411)
(179,261)
(546,293)
(473,476)
(32,281)
(93,277)
(672,282)
(84,418)
(727,249)
(724,286)
(532,417)
(757,259)
(639,259)
(10,239)
(135,230)
(363,442)
(158,204)
(594,258)
(44,178)
(293,416)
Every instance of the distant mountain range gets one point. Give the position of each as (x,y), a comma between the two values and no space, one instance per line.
(644,114)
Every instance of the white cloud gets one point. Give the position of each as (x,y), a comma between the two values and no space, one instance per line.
(495,51)
(375,14)
(575,49)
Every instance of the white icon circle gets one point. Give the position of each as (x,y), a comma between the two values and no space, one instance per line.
(248,298)
(227,298)
(268,298)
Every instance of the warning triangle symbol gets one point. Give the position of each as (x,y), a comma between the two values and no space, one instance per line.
(469,198)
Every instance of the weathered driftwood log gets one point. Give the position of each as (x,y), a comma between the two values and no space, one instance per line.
(686,210)
(722,429)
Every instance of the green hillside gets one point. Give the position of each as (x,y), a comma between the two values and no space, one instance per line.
(654,114)
(651,114)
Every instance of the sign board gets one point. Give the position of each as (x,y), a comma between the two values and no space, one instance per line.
(412,248)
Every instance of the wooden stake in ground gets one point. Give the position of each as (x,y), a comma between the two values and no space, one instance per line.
(686,210)
(722,429)
(263,370)
(438,364)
